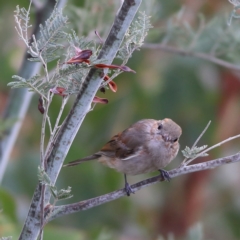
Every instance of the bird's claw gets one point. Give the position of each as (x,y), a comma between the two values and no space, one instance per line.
(128,189)
(165,175)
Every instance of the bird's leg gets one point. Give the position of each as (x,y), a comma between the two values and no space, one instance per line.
(165,175)
(128,188)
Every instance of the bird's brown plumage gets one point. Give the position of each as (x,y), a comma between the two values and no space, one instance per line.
(146,146)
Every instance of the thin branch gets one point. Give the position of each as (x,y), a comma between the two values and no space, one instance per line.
(39,54)
(37,91)
(204,130)
(198,33)
(56,126)
(205,56)
(212,147)
(19,28)
(216,44)
(49,124)
(26,26)
(59,211)
(195,143)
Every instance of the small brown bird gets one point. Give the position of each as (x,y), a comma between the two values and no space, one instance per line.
(146,146)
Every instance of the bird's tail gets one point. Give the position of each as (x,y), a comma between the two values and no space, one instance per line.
(78,161)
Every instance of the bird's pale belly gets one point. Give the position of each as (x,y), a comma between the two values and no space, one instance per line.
(133,166)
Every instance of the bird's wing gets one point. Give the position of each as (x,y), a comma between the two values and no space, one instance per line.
(123,145)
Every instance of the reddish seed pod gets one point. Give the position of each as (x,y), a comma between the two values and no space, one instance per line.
(112,85)
(40,105)
(100,100)
(81,56)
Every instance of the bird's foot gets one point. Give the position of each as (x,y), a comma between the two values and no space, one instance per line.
(128,189)
(165,175)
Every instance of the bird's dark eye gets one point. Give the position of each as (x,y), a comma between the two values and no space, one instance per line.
(160,126)
(175,139)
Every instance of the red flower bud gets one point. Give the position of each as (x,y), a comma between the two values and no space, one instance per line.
(100,100)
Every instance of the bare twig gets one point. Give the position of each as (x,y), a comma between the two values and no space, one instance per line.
(198,33)
(204,130)
(100,39)
(64,101)
(212,147)
(59,211)
(50,125)
(39,55)
(195,143)
(176,50)
(56,125)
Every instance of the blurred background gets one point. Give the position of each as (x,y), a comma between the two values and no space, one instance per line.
(190,90)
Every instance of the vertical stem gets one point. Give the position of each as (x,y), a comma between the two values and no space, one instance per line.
(44,120)
(56,125)
(42,212)
(76,116)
